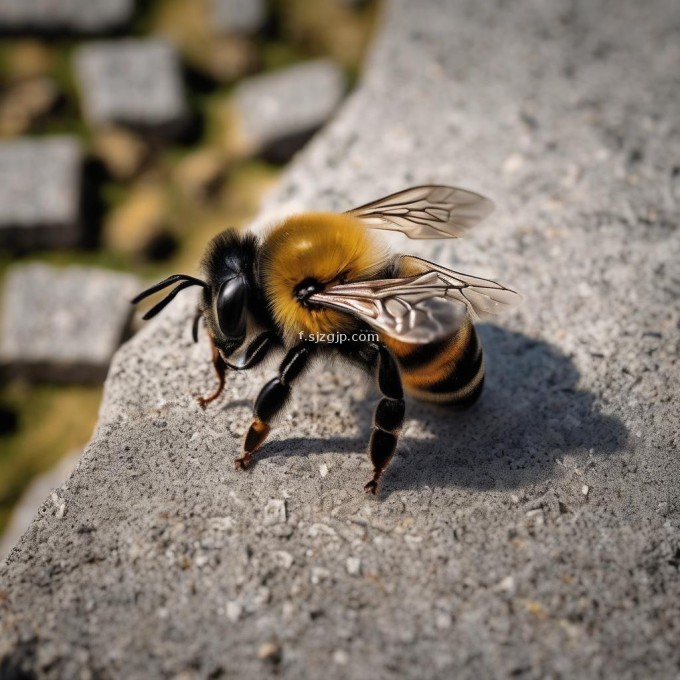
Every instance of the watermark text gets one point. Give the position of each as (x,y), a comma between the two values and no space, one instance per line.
(338,338)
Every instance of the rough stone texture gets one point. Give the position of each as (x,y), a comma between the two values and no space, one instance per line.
(535,536)
(31,500)
(239,16)
(134,82)
(40,192)
(70,16)
(64,324)
(275,113)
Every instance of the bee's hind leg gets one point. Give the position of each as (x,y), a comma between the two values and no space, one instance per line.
(220,370)
(388,416)
(272,399)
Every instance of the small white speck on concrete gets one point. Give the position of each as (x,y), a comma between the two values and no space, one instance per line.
(59,505)
(585,489)
(513,163)
(275,512)
(319,529)
(288,610)
(353,565)
(323,469)
(443,620)
(319,574)
(201,560)
(283,559)
(536,516)
(233,610)
(514,498)
(340,657)
(220,523)
(507,584)
(262,596)
(270,651)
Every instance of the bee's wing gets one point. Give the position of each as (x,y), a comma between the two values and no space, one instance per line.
(411,310)
(419,309)
(425,212)
(483,298)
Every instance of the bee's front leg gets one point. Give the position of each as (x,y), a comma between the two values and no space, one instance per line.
(220,369)
(272,399)
(256,352)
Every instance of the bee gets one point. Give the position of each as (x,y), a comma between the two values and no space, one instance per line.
(406,321)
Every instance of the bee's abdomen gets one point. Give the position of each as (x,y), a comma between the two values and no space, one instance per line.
(450,371)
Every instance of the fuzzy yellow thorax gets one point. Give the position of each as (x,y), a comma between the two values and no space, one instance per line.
(328,247)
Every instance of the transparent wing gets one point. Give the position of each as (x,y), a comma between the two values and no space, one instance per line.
(419,309)
(412,309)
(426,212)
(483,298)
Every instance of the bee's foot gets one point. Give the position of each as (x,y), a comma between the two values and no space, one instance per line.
(242,463)
(202,402)
(371,487)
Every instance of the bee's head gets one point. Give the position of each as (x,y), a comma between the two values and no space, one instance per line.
(228,285)
(228,266)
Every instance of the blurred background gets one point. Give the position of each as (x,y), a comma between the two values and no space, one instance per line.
(131,132)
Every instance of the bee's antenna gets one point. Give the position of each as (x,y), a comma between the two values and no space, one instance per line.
(186,282)
(194,326)
(168,282)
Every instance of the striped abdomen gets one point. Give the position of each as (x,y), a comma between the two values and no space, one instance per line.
(450,371)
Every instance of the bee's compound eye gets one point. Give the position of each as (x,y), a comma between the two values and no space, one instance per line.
(230,306)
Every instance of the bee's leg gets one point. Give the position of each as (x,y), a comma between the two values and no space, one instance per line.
(220,370)
(271,400)
(388,416)
(255,353)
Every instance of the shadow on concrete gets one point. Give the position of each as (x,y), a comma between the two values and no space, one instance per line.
(531,415)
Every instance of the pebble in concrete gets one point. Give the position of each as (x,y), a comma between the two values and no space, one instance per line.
(40,193)
(277,112)
(132,82)
(239,16)
(65,16)
(64,324)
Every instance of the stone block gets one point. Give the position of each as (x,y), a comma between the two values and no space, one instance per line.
(239,16)
(40,193)
(63,324)
(132,82)
(481,556)
(64,16)
(277,112)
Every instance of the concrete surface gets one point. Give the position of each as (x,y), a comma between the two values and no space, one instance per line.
(40,192)
(31,499)
(63,324)
(536,536)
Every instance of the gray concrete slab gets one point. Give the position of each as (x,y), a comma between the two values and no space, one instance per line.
(71,16)
(276,113)
(239,16)
(137,82)
(40,193)
(535,536)
(63,324)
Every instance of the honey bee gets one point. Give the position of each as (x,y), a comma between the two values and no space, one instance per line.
(323,276)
